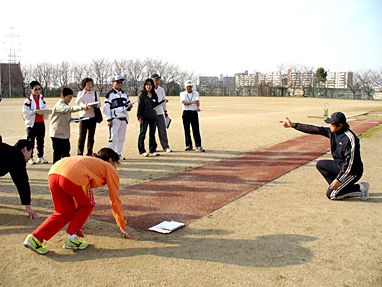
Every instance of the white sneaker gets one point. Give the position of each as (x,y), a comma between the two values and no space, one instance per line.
(168,150)
(200,149)
(31,161)
(154,153)
(145,154)
(42,160)
(364,188)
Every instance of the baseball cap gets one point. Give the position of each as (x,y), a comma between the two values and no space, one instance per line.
(155,75)
(117,78)
(188,83)
(336,118)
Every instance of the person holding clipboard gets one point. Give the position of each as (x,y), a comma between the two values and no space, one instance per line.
(87,96)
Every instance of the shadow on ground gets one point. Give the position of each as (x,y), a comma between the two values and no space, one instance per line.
(274,250)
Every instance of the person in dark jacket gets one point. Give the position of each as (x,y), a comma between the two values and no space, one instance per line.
(346,169)
(147,117)
(13,160)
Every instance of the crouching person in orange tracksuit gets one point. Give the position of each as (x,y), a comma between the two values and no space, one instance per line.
(71,180)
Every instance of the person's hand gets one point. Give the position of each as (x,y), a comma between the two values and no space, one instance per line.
(109,123)
(198,110)
(287,123)
(126,233)
(166,114)
(140,121)
(335,184)
(31,213)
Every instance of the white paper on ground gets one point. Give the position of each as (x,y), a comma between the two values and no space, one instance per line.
(167,226)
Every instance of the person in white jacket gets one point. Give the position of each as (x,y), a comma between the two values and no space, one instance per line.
(116,107)
(86,96)
(35,120)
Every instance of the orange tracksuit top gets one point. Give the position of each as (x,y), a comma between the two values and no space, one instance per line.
(82,170)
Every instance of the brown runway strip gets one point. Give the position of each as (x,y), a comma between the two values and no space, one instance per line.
(195,193)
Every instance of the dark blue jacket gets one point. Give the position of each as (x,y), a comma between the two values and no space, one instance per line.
(344,146)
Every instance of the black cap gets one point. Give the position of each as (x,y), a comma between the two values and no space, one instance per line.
(155,75)
(336,118)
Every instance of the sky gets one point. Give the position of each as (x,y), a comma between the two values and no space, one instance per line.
(201,36)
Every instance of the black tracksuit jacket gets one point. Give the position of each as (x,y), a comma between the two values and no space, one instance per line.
(344,147)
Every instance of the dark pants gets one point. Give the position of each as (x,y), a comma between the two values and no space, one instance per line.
(162,132)
(329,170)
(191,118)
(61,148)
(86,127)
(37,132)
(152,124)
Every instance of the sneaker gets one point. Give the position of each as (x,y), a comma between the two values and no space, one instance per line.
(189,148)
(200,149)
(154,153)
(31,161)
(364,188)
(42,160)
(75,245)
(145,154)
(35,244)
(168,150)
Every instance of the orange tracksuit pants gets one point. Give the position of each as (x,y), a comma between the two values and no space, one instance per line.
(72,204)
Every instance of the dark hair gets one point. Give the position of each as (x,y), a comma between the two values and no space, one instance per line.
(24,143)
(85,81)
(66,92)
(34,84)
(106,154)
(149,80)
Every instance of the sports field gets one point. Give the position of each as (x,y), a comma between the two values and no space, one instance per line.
(285,233)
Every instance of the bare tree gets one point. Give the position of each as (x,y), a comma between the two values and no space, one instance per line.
(80,71)
(377,80)
(43,73)
(135,75)
(101,69)
(27,71)
(62,74)
(355,85)
(366,81)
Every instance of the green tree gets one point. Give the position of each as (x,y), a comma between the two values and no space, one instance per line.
(321,75)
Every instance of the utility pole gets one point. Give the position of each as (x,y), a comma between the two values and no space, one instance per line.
(12,57)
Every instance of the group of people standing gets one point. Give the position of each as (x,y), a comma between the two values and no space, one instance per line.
(151,113)
(71,179)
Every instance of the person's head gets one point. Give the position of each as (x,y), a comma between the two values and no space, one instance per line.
(25,147)
(109,155)
(188,85)
(67,95)
(337,122)
(148,86)
(156,78)
(35,87)
(87,84)
(117,82)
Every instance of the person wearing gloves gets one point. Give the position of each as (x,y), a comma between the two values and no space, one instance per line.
(34,121)
(71,181)
(346,168)
(60,124)
(13,161)
(116,107)
(86,96)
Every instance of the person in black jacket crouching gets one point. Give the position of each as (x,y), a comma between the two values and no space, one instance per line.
(13,160)
(346,169)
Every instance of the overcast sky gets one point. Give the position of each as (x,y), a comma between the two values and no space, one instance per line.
(201,36)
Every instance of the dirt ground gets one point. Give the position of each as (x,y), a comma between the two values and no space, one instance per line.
(286,233)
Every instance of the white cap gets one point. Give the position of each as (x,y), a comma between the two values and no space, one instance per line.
(117,78)
(188,83)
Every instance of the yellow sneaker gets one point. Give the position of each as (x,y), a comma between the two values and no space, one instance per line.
(75,245)
(35,244)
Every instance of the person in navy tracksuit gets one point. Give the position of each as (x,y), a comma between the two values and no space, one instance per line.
(346,169)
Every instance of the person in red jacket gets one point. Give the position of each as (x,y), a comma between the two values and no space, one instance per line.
(71,180)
